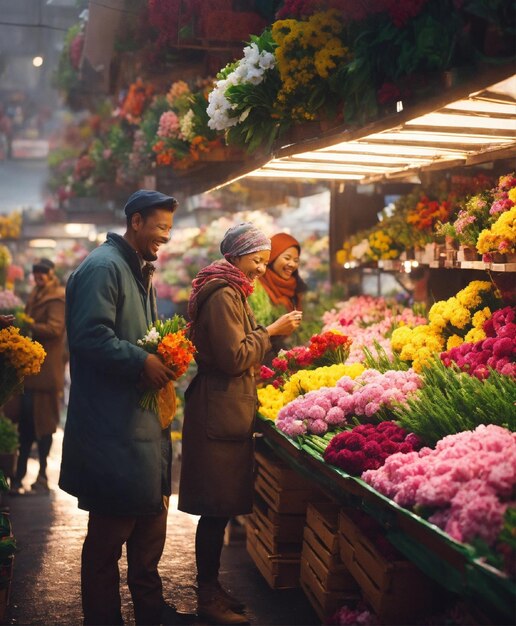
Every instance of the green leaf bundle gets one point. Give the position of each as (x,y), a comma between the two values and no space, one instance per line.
(451,401)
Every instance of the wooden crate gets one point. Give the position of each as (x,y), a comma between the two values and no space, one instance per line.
(331,572)
(323,519)
(396,590)
(324,602)
(280,498)
(279,472)
(284,533)
(280,570)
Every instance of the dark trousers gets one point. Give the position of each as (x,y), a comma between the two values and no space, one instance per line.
(27,435)
(100,576)
(209,539)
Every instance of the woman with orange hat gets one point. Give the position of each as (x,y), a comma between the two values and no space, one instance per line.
(281,281)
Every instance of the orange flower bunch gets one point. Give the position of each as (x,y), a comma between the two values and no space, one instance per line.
(138,96)
(176,351)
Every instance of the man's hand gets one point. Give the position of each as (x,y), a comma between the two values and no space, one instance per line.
(155,373)
(6,320)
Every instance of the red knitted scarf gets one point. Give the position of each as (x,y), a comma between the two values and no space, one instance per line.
(222,270)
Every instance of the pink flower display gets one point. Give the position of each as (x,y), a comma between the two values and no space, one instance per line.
(368,395)
(366,446)
(468,481)
(367,320)
(497,351)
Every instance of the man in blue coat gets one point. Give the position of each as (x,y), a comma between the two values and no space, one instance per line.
(116,456)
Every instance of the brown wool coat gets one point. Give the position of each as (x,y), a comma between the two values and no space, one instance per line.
(47,307)
(220,407)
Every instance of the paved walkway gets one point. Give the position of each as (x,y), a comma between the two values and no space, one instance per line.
(50,529)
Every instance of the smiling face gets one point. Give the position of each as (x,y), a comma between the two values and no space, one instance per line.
(41,278)
(286,263)
(252,265)
(148,233)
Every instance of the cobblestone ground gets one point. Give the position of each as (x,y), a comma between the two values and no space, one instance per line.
(50,529)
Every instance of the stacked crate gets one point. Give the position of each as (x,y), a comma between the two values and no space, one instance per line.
(275,528)
(326,581)
(395,588)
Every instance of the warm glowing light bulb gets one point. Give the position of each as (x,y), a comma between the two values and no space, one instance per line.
(37,61)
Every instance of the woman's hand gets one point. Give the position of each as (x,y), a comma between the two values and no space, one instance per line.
(286,324)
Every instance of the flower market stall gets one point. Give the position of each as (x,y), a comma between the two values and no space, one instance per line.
(386,468)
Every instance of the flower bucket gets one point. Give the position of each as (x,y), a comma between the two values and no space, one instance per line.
(467,253)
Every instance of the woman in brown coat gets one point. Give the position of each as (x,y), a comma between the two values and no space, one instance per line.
(220,406)
(40,402)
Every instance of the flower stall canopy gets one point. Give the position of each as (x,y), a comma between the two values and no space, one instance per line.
(466,125)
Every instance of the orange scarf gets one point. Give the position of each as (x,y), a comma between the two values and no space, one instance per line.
(280,291)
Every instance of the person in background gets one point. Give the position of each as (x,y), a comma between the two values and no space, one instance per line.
(281,281)
(40,402)
(280,289)
(216,480)
(117,457)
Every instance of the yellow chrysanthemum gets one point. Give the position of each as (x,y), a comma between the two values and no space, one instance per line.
(22,353)
(454,341)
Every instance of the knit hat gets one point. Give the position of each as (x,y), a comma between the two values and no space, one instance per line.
(43,266)
(244,239)
(281,242)
(147,198)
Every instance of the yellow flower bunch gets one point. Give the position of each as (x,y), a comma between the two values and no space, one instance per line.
(5,257)
(450,323)
(344,254)
(10,225)
(271,400)
(306,53)
(381,246)
(20,352)
(501,237)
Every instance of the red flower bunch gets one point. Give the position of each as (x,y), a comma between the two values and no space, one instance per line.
(326,349)
(497,351)
(428,212)
(368,445)
(284,365)
(329,348)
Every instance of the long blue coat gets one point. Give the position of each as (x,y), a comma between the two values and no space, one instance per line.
(116,458)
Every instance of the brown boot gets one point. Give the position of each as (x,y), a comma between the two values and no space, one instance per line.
(233,603)
(212,607)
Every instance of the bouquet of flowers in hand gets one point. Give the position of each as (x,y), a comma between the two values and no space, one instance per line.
(19,357)
(167,339)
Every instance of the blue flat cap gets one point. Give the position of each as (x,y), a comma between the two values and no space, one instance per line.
(146,198)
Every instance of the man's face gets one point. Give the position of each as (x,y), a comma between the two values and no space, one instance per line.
(152,232)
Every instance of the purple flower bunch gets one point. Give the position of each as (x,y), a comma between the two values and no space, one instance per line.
(468,481)
(328,408)
(367,446)
(497,351)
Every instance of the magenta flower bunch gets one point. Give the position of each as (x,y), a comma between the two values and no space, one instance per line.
(370,394)
(367,446)
(347,616)
(466,482)
(497,351)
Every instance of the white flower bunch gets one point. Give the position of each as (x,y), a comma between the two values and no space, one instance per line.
(152,337)
(250,69)
(186,125)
